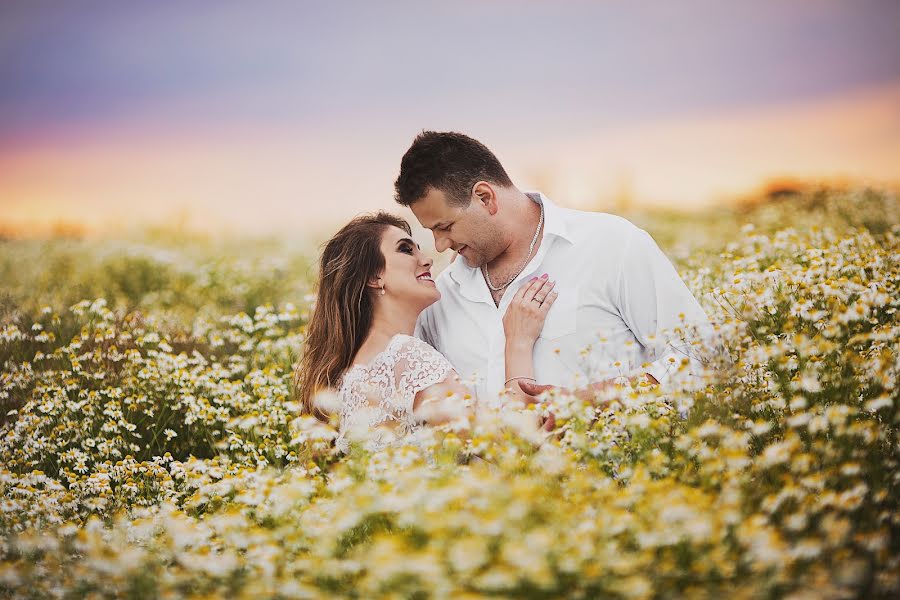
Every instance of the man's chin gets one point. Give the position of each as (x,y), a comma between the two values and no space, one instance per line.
(472,263)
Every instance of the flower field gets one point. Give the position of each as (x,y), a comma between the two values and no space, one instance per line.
(150,446)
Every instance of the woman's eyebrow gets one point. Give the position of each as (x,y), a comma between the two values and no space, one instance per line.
(409,240)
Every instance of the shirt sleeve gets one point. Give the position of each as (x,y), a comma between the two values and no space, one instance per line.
(418,366)
(657,306)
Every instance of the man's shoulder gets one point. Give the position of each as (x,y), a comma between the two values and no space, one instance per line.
(587,226)
(596,218)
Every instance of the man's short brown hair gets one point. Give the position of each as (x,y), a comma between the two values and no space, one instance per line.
(450,162)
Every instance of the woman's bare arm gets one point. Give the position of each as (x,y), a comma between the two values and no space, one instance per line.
(522,325)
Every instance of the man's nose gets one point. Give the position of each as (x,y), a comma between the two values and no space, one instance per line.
(441,243)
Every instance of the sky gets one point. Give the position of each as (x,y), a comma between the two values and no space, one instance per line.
(293,116)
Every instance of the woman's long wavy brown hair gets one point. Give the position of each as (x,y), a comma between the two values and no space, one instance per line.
(342,315)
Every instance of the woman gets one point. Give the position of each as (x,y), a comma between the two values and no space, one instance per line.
(373,283)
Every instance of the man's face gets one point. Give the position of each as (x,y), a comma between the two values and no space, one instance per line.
(468,231)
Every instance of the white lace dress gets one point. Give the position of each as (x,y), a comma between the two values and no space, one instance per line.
(382,392)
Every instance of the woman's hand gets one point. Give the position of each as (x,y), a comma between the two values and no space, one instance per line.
(525,315)
(522,325)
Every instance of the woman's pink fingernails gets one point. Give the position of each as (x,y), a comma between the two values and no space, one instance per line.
(544,276)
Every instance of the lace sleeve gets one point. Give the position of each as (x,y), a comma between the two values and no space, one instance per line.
(417,366)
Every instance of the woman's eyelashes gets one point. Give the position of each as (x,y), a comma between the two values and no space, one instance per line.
(406,248)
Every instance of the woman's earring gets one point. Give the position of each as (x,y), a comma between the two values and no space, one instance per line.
(382,289)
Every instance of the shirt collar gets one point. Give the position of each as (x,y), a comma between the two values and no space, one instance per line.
(554,220)
(469,278)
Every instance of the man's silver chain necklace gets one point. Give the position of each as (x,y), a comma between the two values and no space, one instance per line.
(487,277)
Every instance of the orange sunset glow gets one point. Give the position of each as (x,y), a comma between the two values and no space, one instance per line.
(236,141)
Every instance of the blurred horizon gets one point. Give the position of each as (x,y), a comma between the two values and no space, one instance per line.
(291,117)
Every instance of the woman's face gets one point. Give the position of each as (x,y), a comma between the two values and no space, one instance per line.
(407,272)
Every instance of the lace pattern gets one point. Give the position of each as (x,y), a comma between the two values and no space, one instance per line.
(382,393)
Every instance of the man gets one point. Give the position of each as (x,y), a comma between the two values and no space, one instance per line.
(618,293)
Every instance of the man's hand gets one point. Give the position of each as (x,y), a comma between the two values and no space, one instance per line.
(585,393)
(546,424)
(549,423)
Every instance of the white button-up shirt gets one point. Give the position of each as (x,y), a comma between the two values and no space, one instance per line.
(619,296)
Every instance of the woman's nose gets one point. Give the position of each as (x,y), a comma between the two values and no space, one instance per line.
(428,261)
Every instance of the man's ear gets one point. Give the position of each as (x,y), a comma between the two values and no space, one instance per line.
(484,193)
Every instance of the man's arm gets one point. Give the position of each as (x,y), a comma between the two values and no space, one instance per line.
(651,299)
(656,305)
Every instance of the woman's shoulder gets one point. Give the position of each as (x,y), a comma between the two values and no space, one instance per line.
(410,349)
(402,354)
(406,339)
(410,343)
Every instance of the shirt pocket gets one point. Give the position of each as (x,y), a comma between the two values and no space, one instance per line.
(560,320)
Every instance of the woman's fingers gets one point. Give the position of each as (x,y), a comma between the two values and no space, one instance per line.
(534,294)
(523,289)
(535,287)
(541,294)
(548,302)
